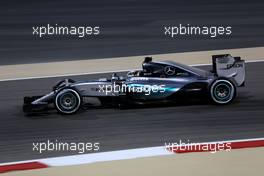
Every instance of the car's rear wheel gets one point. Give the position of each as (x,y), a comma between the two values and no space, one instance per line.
(67,101)
(222,91)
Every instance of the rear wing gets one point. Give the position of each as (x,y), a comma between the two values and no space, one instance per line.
(225,65)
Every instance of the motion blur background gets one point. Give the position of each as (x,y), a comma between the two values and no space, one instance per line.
(128,27)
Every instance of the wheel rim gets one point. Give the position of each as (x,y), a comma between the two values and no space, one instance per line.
(68,101)
(222,91)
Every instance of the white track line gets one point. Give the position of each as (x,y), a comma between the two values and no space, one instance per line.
(99,157)
(96,66)
(102,72)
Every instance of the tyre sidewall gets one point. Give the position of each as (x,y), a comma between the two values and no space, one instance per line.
(225,82)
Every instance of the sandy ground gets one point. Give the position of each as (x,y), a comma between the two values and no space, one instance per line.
(242,162)
(117,64)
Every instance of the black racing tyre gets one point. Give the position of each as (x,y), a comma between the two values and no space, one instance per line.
(222,91)
(67,101)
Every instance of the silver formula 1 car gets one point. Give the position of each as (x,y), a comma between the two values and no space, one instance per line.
(156,82)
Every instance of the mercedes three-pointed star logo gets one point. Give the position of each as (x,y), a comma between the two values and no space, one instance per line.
(169,70)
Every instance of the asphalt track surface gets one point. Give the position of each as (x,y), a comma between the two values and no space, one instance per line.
(130,128)
(128,27)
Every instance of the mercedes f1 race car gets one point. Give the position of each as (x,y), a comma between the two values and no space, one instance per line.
(165,81)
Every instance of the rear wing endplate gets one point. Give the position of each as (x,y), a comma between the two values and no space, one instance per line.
(225,65)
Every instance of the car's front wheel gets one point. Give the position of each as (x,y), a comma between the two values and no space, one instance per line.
(67,101)
(222,91)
